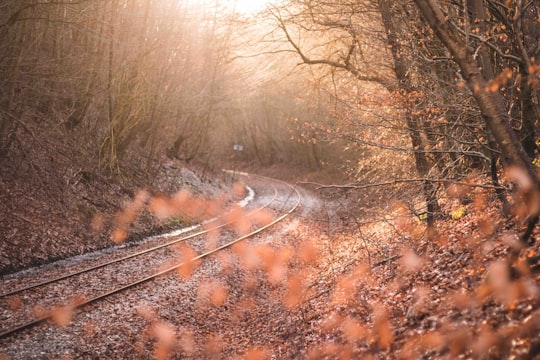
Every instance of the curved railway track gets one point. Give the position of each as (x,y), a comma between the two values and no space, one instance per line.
(55,283)
(128,256)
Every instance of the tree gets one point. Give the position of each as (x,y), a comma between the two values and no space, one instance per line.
(489,99)
(350,47)
(405,85)
(128,78)
(452,132)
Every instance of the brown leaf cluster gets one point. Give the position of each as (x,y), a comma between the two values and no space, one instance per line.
(185,208)
(378,293)
(500,80)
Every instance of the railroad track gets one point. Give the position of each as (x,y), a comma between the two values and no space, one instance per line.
(25,318)
(176,240)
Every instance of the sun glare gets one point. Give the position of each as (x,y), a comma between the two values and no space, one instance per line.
(249,6)
(241,7)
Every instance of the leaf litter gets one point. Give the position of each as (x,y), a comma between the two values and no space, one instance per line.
(321,290)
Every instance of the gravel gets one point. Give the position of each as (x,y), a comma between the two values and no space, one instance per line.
(223,309)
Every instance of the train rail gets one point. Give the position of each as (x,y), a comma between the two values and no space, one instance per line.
(293,196)
(129,256)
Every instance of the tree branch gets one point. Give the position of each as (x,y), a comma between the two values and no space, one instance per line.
(344,66)
(395,182)
(15,16)
(489,44)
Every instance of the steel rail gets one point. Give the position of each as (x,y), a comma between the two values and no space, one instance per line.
(129,256)
(87,301)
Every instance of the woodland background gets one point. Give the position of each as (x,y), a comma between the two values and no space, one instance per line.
(368,87)
(414,106)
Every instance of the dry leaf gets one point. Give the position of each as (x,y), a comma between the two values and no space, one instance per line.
(256,353)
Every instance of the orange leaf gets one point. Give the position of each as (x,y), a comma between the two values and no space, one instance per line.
(62,315)
(119,235)
(382,328)
(308,252)
(218,295)
(256,353)
(353,330)
(187,258)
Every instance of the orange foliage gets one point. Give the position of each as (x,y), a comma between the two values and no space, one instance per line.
(295,290)
(353,330)
(214,346)
(15,303)
(187,257)
(214,292)
(307,252)
(256,353)
(382,330)
(411,261)
(240,222)
(165,339)
(62,315)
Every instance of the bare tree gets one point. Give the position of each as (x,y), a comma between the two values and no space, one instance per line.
(490,101)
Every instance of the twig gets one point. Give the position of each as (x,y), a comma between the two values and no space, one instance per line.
(377,264)
(394,182)
(385,261)
(24,219)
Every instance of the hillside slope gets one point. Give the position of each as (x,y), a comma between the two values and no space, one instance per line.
(55,206)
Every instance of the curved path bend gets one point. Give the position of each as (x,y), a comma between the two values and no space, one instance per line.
(27,309)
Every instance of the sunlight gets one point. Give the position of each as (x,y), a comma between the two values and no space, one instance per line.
(240,7)
(249,6)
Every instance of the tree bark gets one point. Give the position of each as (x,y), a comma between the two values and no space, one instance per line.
(414,129)
(489,102)
(478,16)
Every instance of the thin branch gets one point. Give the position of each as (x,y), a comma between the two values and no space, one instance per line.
(15,16)
(494,7)
(24,218)
(403,149)
(344,66)
(250,56)
(385,261)
(488,43)
(395,182)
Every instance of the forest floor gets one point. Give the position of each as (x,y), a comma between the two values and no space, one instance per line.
(50,214)
(341,279)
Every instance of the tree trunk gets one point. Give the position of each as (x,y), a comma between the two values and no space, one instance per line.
(528,115)
(478,17)
(414,129)
(489,102)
